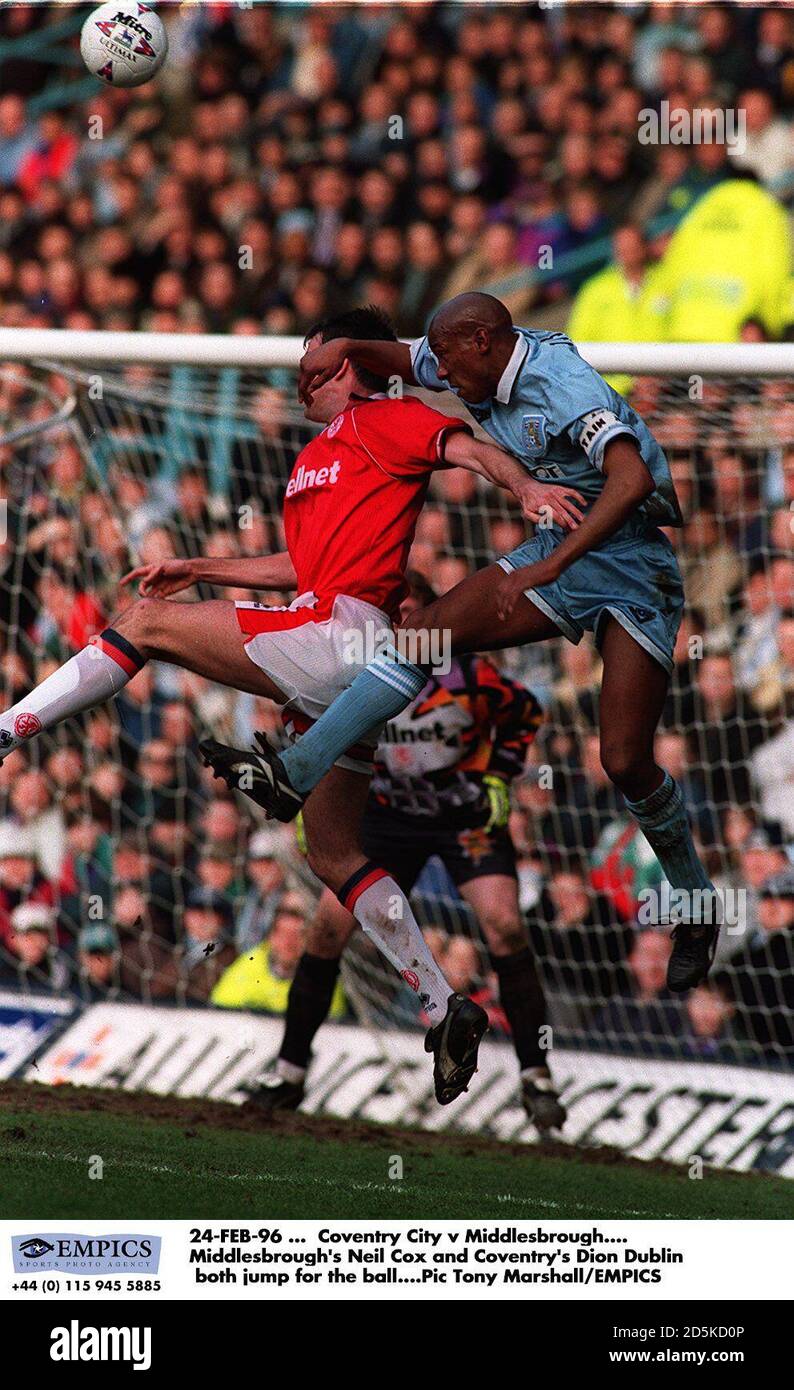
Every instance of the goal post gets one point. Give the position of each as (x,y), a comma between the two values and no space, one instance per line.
(116,448)
(244,351)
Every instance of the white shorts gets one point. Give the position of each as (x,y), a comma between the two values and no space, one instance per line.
(312,659)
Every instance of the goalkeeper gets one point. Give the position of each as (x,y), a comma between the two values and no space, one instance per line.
(441,787)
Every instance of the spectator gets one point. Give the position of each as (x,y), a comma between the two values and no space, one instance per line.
(767,147)
(188,972)
(764,978)
(726,732)
(495,260)
(17,139)
(40,820)
(267,878)
(97,976)
(51,157)
(774,687)
(624,867)
(772,768)
(622,303)
(30,959)
(709,1019)
(711,278)
(712,573)
(260,977)
(21,882)
(756,648)
(578,933)
(649,1020)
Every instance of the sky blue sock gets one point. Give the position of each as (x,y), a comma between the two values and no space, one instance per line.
(663,821)
(376,695)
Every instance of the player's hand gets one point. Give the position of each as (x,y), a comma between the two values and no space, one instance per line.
(498,794)
(319,365)
(514,585)
(544,503)
(163,579)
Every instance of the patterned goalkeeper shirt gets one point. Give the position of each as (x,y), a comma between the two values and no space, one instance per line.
(432,758)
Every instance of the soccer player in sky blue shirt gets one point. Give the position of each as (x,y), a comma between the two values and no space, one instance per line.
(615,575)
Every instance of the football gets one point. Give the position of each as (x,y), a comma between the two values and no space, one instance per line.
(124,44)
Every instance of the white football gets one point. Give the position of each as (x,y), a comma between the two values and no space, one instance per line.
(125,44)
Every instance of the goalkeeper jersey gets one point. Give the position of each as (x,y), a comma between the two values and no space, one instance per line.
(432,758)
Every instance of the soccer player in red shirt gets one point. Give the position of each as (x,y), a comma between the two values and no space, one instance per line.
(350,510)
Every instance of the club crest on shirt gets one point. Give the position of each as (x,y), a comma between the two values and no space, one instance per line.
(533,434)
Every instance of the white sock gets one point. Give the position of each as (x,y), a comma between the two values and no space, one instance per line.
(288,1071)
(383,910)
(540,1075)
(94,675)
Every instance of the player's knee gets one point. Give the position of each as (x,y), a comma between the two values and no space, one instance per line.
(503,932)
(142,621)
(622,762)
(326,866)
(317,862)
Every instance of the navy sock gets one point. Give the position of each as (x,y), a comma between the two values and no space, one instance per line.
(522,998)
(309,1004)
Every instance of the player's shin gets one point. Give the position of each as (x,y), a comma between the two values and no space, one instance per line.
(377,694)
(522,998)
(383,911)
(309,1004)
(94,675)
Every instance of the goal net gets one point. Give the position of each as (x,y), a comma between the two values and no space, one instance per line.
(106,465)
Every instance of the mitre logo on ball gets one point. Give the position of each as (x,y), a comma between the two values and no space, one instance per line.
(124,45)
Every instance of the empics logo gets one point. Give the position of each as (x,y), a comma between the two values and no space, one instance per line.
(78,1254)
(76,1343)
(34,1248)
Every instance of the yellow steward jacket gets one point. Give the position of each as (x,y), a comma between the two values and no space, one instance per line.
(249,983)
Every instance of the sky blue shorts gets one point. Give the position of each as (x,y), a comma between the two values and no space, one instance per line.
(633,578)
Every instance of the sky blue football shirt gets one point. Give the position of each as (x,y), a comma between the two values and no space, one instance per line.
(556,415)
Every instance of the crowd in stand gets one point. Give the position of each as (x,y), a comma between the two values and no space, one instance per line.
(123,872)
(286,163)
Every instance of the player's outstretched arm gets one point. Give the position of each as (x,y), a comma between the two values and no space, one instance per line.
(319,364)
(628,484)
(538,501)
(255,572)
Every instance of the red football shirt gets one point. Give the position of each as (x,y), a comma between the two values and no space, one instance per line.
(354,497)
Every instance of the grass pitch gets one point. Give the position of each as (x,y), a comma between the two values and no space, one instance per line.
(169,1158)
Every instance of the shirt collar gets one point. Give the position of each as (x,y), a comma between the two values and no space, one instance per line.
(508,377)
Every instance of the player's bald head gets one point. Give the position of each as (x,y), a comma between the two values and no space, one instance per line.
(467,313)
(473,338)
